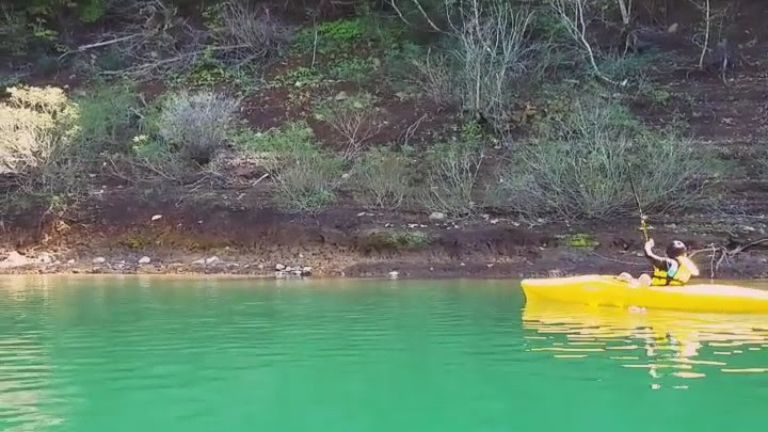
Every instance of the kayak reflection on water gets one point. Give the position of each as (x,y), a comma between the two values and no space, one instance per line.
(676,269)
(666,343)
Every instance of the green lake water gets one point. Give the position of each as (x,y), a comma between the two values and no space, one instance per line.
(144,354)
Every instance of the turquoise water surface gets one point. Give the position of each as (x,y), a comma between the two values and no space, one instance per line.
(143,354)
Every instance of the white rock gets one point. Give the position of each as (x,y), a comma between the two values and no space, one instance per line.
(199,262)
(99,260)
(15,259)
(71,262)
(212,260)
(437,216)
(156,217)
(306,271)
(145,260)
(45,259)
(279,267)
(394,274)
(342,95)
(260,266)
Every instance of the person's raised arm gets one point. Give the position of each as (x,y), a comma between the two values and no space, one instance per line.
(656,261)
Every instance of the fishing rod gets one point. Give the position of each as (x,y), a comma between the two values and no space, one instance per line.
(643,219)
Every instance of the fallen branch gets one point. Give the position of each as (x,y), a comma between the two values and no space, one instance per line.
(720,254)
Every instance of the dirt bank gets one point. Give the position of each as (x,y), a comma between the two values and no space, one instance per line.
(121,233)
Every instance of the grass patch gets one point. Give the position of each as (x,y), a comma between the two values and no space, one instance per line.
(397,241)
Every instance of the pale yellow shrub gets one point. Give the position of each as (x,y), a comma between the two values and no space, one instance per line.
(36,125)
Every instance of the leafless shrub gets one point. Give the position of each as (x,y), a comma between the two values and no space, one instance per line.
(354,118)
(197,124)
(576,15)
(452,173)
(384,178)
(492,53)
(437,80)
(255,28)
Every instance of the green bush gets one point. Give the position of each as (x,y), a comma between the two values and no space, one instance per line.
(308,183)
(578,166)
(197,125)
(107,118)
(384,178)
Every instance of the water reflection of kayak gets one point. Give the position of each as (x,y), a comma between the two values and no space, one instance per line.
(610,291)
(682,342)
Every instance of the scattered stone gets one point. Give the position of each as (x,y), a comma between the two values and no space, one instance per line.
(361,214)
(99,260)
(394,275)
(260,267)
(494,221)
(437,216)
(279,267)
(145,260)
(212,260)
(346,176)
(306,271)
(71,262)
(156,217)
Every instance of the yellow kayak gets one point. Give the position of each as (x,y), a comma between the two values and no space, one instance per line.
(598,290)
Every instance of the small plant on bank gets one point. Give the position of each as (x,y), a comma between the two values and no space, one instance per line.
(453,170)
(384,178)
(355,118)
(308,183)
(197,125)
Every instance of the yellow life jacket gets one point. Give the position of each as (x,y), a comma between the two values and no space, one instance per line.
(678,275)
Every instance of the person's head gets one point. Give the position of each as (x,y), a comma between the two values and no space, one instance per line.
(676,249)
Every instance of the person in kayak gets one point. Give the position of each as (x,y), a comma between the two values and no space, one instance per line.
(676,269)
